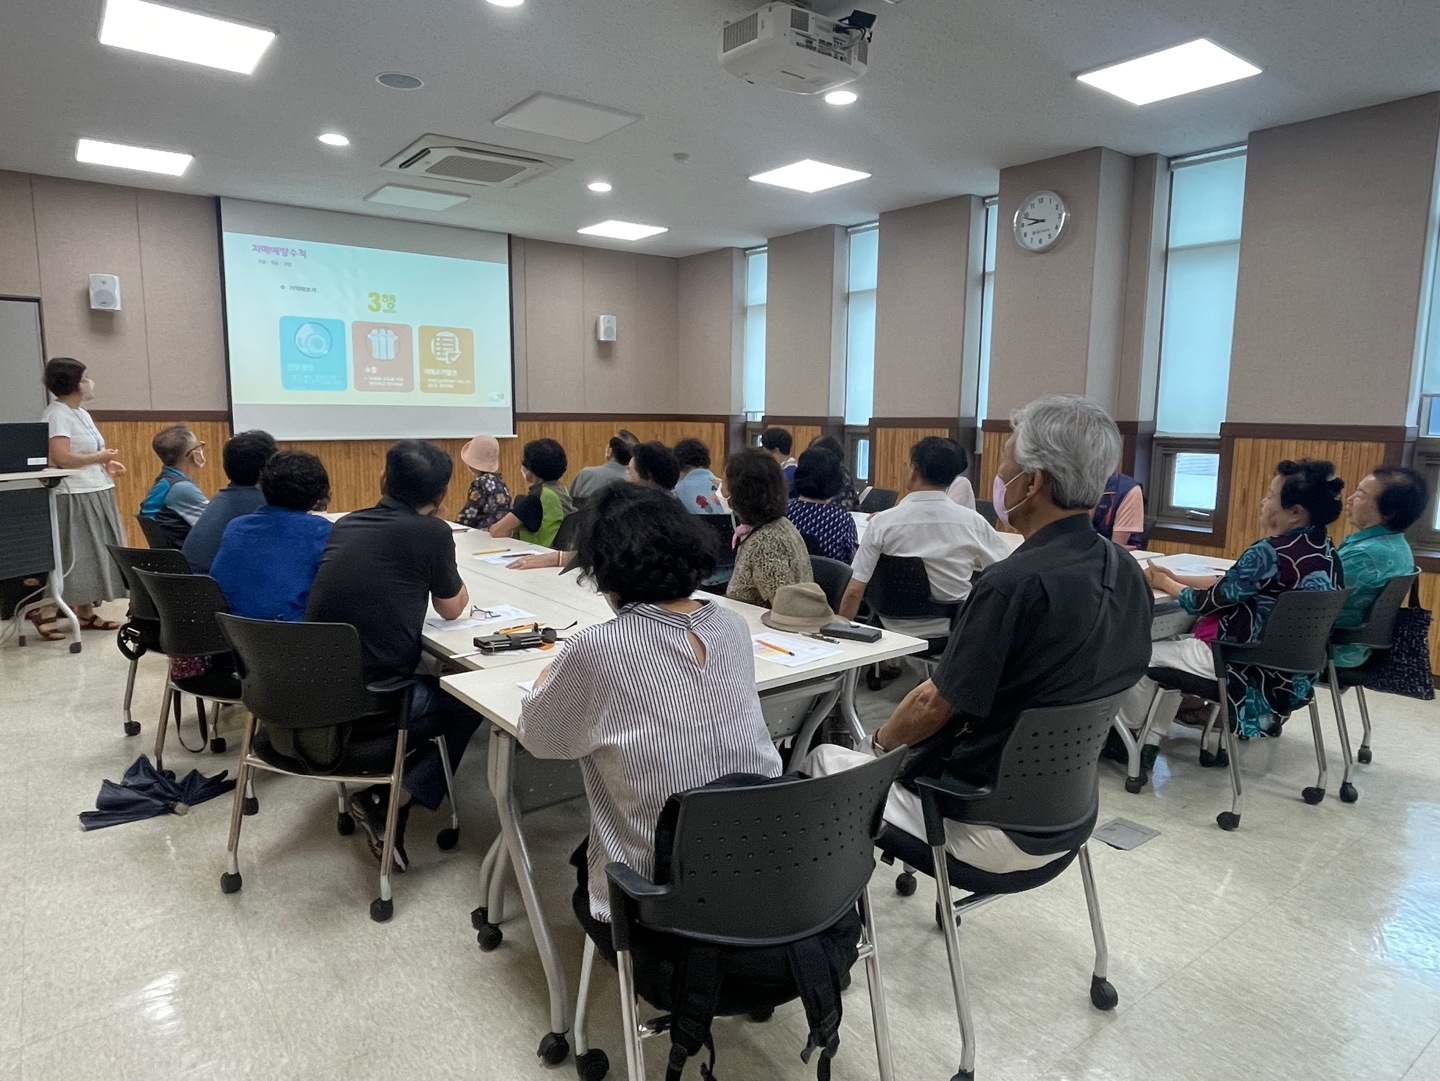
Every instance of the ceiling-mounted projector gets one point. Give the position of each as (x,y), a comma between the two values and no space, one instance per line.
(793,48)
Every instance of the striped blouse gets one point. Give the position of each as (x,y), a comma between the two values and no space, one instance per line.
(646,720)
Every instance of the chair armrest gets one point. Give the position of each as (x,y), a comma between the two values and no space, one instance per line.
(626,887)
(944,798)
(391,685)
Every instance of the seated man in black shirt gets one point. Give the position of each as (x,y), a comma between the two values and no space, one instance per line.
(1064,620)
(380,570)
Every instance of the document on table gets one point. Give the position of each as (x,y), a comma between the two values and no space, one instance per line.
(790,651)
(501,558)
(526,685)
(456,527)
(483,617)
(1201,570)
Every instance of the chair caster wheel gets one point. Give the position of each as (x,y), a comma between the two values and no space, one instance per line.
(447,838)
(1215,759)
(345,824)
(763,1014)
(381,911)
(132,728)
(554,1049)
(593,1065)
(964,1075)
(1363,755)
(1313,795)
(479,917)
(74,647)
(1348,793)
(873,681)
(250,805)
(1222,758)
(217,745)
(230,883)
(905,884)
(1134,784)
(1148,754)
(489,936)
(1103,994)
(1227,821)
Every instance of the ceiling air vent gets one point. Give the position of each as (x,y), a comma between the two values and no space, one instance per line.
(460,161)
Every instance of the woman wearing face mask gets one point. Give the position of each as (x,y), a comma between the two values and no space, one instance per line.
(1303,498)
(88,516)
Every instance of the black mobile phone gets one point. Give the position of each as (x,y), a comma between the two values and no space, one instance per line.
(855,632)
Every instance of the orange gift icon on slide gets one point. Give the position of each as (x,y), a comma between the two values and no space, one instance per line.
(383,356)
(447,360)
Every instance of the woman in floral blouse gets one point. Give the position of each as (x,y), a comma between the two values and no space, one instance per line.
(1303,498)
(488,499)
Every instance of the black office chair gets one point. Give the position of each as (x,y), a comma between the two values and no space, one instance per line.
(1047,789)
(812,544)
(797,857)
(1143,540)
(722,526)
(986,510)
(155,534)
(832,576)
(304,684)
(900,589)
(565,535)
(141,632)
(878,499)
(1376,632)
(187,605)
(1295,639)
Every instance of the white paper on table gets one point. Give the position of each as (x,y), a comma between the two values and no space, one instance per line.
(501,558)
(450,624)
(1202,570)
(500,613)
(771,645)
(456,527)
(526,685)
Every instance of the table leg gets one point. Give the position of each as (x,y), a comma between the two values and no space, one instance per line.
(56,584)
(847,706)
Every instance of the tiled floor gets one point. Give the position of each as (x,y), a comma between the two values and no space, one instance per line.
(1305,946)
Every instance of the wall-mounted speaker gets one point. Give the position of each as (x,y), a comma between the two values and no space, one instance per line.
(104,292)
(605,328)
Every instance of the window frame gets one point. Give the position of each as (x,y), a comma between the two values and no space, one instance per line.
(1424,536)
(1160,494)
(749,308)
(855,434)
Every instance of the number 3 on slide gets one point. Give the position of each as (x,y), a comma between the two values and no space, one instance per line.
(381,302)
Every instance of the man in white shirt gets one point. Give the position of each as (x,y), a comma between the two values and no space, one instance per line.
(954,541)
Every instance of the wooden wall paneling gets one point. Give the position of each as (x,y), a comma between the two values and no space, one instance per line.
(890,454)
(1430,598)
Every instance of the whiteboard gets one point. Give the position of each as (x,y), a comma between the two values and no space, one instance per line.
(22,361)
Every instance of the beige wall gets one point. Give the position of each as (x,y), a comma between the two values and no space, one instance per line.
(927,324)
(712,332)
(805,324)
(1332,255)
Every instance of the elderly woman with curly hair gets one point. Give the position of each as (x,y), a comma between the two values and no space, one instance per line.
(770,552)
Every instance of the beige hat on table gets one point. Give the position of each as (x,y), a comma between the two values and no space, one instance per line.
(800,607)
(482,454)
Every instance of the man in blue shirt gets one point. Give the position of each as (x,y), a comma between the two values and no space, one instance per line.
(175,501)
(244,456)
(1383,505)
(267,560)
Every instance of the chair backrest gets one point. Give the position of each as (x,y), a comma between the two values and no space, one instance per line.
(154,532)
(769,864)
(986,510)
(299,675)
(1296,635)
(159,560)
(723,528)
(878,499)
(832,576)
(565,535)
(186,605)
(1048,781)
(1379,626)
(1144,538)
(812,544)
(900,589)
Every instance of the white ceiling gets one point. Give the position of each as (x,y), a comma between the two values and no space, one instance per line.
(957,89)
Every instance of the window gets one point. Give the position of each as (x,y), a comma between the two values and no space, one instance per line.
(987,305)
(1426,532)
(1202,266)
(864,262)
(757,267)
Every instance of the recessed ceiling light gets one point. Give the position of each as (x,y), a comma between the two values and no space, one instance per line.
(334,138)
(120,156)
(622,230)
(841,97)
(505,3)
(809,176)
(1169,73)
(183,35)
(398,80)
(599,186)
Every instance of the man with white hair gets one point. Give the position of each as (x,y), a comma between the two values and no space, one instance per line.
(1064,620)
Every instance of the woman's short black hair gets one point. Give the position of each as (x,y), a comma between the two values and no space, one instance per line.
(1311,483)
(692,454)
(246,454)
(830,443)
(295,480)
(63,375)
(656,463)
(417,472)
(1403,499)
(756,487)
(620,448)
(545,458)
(938,460)
(777,439)
(642,546)
(818,474)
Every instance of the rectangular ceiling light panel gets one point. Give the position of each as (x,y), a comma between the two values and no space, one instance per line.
(565,118)
(1184,69)
(623,230)
(809,176)
(120,156)
(415,198)
(183,35)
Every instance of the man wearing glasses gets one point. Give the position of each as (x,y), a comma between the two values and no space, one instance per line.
(175,502)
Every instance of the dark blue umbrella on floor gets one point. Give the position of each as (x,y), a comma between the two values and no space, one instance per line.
(145,792)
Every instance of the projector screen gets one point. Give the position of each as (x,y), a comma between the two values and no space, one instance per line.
(346,327)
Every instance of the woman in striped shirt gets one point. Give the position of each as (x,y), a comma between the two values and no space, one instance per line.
(658,700)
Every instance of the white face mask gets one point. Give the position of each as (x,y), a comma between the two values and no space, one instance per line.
(87,389)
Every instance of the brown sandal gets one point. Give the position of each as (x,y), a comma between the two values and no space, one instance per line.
(95,623)
(36,618)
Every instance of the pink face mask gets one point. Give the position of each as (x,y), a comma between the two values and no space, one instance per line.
(998,490)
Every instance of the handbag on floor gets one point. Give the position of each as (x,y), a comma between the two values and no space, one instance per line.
(1405,667)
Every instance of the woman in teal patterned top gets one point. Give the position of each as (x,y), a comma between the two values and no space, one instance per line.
(1383,505)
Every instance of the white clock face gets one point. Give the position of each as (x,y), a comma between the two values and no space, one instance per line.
(1040,221)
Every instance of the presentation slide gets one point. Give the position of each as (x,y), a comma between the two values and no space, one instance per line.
(346,327)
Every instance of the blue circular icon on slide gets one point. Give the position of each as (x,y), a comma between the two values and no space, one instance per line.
(313,339)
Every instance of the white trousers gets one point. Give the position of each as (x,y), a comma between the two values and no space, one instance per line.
(1186,654)
(982,847)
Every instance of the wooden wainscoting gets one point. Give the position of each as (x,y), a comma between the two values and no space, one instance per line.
(890,451)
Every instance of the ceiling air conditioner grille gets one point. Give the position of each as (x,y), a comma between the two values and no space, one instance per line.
(476,170)
(800,20)
(742,31)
